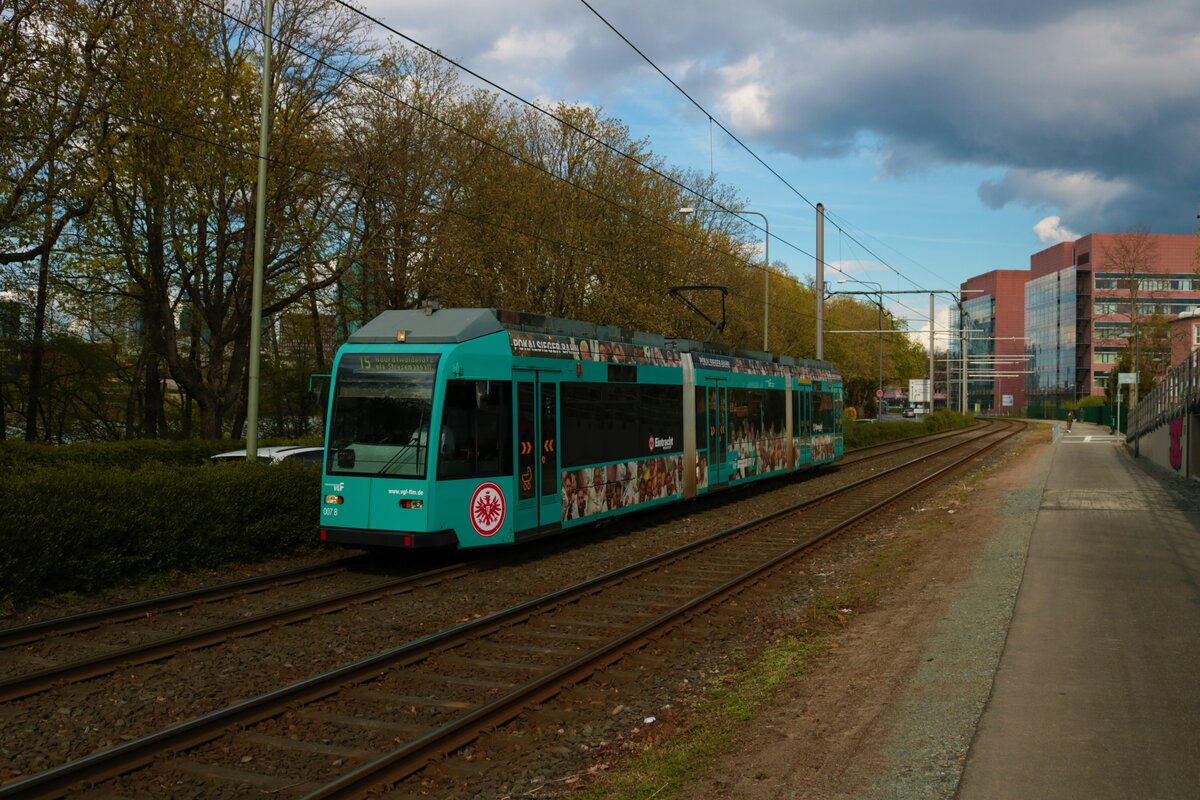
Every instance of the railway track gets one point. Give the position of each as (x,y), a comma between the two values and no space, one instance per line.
(157,647)
(438,693)
(129,612)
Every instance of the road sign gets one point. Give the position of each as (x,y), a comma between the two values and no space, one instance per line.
(1126,377)
(1006,400)
(879,393)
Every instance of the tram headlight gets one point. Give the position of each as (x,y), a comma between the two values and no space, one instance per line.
(412,503)
(334,499)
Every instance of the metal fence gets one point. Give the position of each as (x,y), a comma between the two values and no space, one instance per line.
(1178,393)
(1098,415)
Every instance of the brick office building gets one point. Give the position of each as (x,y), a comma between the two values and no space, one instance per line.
(1076,306)
(994,309)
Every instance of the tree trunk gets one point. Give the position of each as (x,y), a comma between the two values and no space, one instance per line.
(210,416)
(185,413)
(36,352)
(152,405)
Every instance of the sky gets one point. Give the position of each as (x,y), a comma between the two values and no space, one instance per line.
(948,137)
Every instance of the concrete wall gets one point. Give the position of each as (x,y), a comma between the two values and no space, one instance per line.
(1184,434)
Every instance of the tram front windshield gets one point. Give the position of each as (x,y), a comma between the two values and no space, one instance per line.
(382,404)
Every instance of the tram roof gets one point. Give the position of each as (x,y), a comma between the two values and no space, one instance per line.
(448,325)
(442,325)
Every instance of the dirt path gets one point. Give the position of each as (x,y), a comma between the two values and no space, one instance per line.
(889,710)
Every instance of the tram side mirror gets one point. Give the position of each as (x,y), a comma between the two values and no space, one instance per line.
(345,458)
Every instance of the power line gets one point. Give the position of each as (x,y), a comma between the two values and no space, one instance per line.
(349,183)
(615,150)
(712,247)
(731,135)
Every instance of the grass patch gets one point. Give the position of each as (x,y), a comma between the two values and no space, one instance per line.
(671,764)
(668,765)
(662,769)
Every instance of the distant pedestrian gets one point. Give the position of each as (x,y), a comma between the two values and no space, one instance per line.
(1070,420)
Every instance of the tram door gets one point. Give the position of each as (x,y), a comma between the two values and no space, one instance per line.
(538,501)
(718,433)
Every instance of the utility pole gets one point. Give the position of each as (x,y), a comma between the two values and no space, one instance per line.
(260,227)
(820,281)
(962,343)
(931,352)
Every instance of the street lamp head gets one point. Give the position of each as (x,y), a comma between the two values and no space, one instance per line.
(687,210)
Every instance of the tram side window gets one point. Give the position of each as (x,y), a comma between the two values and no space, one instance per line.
(756,414)
(477,430)
(606,422)
(824,413)
(701,419)
(775,413)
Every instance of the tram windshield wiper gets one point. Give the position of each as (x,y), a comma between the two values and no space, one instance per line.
(401,453)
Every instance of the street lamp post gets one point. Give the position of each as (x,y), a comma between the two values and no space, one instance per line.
(879,302)
(766,261)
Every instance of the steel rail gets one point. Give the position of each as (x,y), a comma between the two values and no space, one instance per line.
(139,752)
(32,683)
(88,620)
(453,735)
(911,441)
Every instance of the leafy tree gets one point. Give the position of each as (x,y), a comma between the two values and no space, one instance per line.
(57,58)
(179,213)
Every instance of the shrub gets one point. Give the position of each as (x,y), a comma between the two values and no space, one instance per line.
(21,456)
(880,432)
(80,528)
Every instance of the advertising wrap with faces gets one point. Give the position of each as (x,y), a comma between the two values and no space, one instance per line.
(594,490)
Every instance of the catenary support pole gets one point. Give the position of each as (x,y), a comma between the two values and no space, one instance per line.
(930,352)
(962,343)
(820,280)
(879,394)
(260,227)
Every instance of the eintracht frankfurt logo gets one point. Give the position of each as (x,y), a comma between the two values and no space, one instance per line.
(487,509)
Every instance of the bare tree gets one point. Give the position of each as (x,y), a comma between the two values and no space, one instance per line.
(1132,255)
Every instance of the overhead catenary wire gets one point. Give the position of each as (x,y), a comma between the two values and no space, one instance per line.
(700,195)
(349,183)
(733,136)
(861,282)
(682,186)
(566,123)
(341,180)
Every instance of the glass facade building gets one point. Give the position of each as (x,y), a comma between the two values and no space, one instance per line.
(980,325)
(1058,330)
(1050,324)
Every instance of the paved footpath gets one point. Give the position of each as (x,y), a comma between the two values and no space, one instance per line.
(1098,690)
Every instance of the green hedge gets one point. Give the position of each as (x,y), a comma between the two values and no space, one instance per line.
(77,528)
(21,456)
(872,433)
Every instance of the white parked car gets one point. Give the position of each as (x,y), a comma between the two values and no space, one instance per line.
(292,452)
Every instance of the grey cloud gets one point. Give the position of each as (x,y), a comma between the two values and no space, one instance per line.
(1105,88)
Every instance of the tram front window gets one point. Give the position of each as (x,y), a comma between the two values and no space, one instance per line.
(382,405)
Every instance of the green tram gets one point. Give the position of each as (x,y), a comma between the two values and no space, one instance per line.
(475,427)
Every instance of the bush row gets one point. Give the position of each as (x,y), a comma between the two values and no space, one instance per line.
(21,456)
(82,529)
(880,432)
